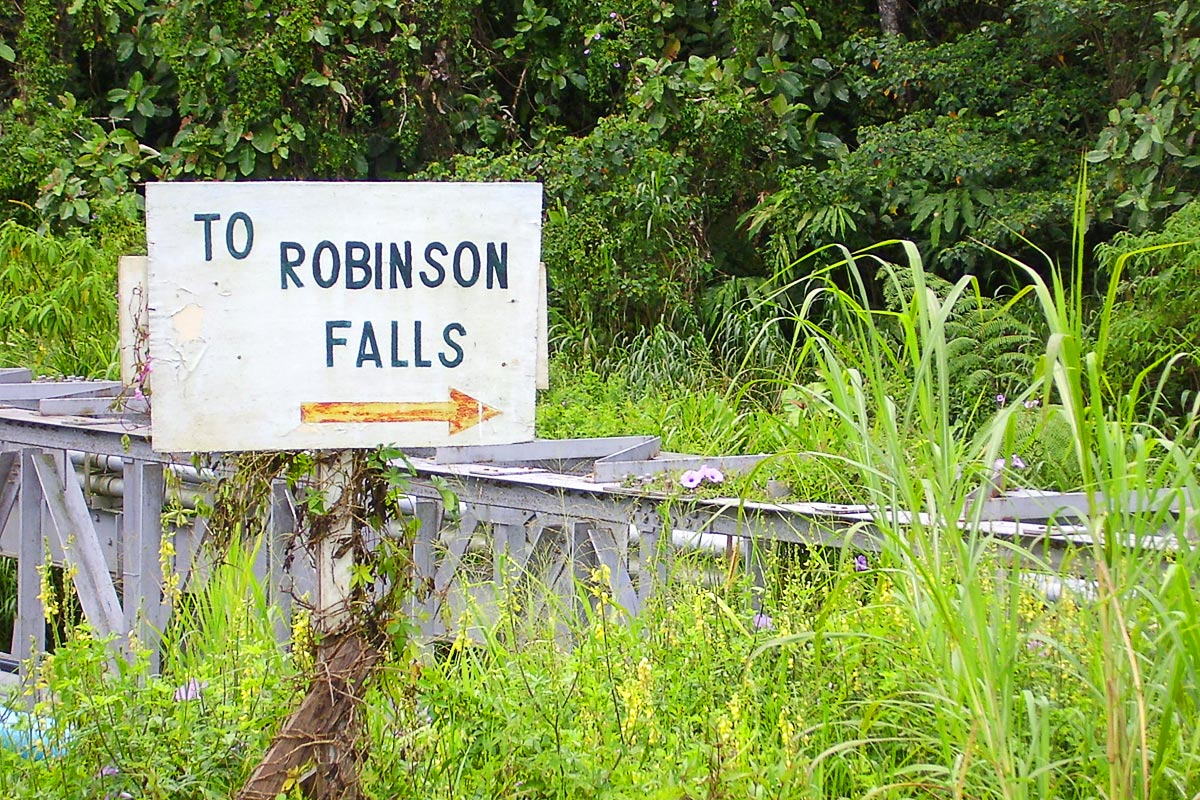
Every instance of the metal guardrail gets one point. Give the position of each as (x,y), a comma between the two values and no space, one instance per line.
(89,490)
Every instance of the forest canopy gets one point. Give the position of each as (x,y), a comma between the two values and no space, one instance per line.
(690,149)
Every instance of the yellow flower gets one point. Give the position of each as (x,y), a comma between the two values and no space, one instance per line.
(787,730)
(47,594)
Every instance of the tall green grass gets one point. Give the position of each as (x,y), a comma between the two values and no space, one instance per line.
(889,384)
(193,731)
(58,303)
(946,669)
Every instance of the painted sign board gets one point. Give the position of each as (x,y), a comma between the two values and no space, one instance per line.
(306,315)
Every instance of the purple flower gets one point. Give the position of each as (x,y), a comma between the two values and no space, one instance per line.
(1017,462)
(612,15)
(998,469)
(1036,645)
(587,51)
(762,622)
(596,37)
(1032,403)
(706,474)
(1001,399)
(190,690)
(109,771)
(860,563)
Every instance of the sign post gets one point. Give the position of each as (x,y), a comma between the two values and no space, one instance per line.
(332,316)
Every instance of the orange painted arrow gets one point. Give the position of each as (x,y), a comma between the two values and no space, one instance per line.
(462,412)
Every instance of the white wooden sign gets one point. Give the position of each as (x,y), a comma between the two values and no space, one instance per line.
(298,315)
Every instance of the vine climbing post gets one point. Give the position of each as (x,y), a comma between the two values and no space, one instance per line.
(317,747)
(334,549)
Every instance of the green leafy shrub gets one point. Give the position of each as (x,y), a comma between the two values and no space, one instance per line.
(991,351)
(58,304)
(620,243)
(1154,332)
(192,732)
(581,404)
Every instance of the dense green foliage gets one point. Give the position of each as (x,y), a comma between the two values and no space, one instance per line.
(1155,330)
(189,732)
(926,667)
(691,150)
(58,304)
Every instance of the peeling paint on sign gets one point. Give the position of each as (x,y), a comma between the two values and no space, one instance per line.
(188,323)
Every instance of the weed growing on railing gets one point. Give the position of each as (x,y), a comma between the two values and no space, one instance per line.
(694,698)
(190,732)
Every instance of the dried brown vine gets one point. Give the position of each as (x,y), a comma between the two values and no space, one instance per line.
(355,498)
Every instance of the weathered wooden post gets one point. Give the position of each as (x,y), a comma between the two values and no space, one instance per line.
(316,745)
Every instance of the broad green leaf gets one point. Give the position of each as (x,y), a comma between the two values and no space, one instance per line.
(264,141)
(950,218)
(828,140)
(983,196)
(246,161)
(821,95)
(1141,148)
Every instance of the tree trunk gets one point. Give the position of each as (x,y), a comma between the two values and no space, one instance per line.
(317,746)
(891,17)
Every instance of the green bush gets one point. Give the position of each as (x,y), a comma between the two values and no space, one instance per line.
(1154,333)
(58,301)
(194,731)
